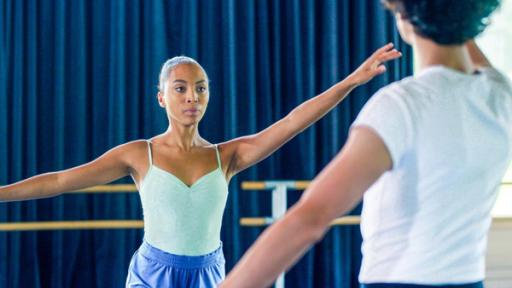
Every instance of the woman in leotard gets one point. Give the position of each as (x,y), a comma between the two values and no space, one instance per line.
(183,179)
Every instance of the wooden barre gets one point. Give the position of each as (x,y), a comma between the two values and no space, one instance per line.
(265,221)
(346,220)
(502,220)
(264,185)
(72,225)
(297,185)
(139,224)
(246,185)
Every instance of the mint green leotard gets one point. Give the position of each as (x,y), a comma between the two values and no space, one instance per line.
(181,219)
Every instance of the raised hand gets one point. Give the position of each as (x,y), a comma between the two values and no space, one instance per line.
(374,65)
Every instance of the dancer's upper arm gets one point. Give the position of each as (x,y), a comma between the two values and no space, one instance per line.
(111,166)
(249,150)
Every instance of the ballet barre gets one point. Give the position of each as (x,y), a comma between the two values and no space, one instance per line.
(83,224)
(72,225)
(280,205)
(265,221)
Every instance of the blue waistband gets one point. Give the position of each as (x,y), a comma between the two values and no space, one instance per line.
(182,261)
(403,285)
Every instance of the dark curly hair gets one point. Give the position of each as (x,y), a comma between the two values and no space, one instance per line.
(446,22)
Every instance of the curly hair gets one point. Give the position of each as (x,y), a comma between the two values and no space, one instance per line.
(446,22)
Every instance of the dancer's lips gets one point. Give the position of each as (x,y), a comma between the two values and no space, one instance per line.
(192,112)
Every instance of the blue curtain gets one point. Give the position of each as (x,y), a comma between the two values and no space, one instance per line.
(78,77)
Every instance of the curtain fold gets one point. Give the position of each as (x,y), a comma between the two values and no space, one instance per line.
(79,77)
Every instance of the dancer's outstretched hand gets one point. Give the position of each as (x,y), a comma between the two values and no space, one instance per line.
(374,65)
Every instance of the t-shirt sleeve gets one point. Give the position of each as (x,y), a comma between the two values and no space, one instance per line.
(387,114)
(501,89)
(499,78)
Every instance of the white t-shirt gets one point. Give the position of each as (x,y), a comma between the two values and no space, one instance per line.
(450,138)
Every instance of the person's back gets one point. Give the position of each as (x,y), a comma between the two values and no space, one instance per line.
(427,154)
(426,221)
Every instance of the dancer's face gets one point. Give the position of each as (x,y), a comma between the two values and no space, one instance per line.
(185,96)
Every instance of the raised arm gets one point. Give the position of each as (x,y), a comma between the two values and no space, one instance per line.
(249,150)
(334,192)
(477,56)
(111,166)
